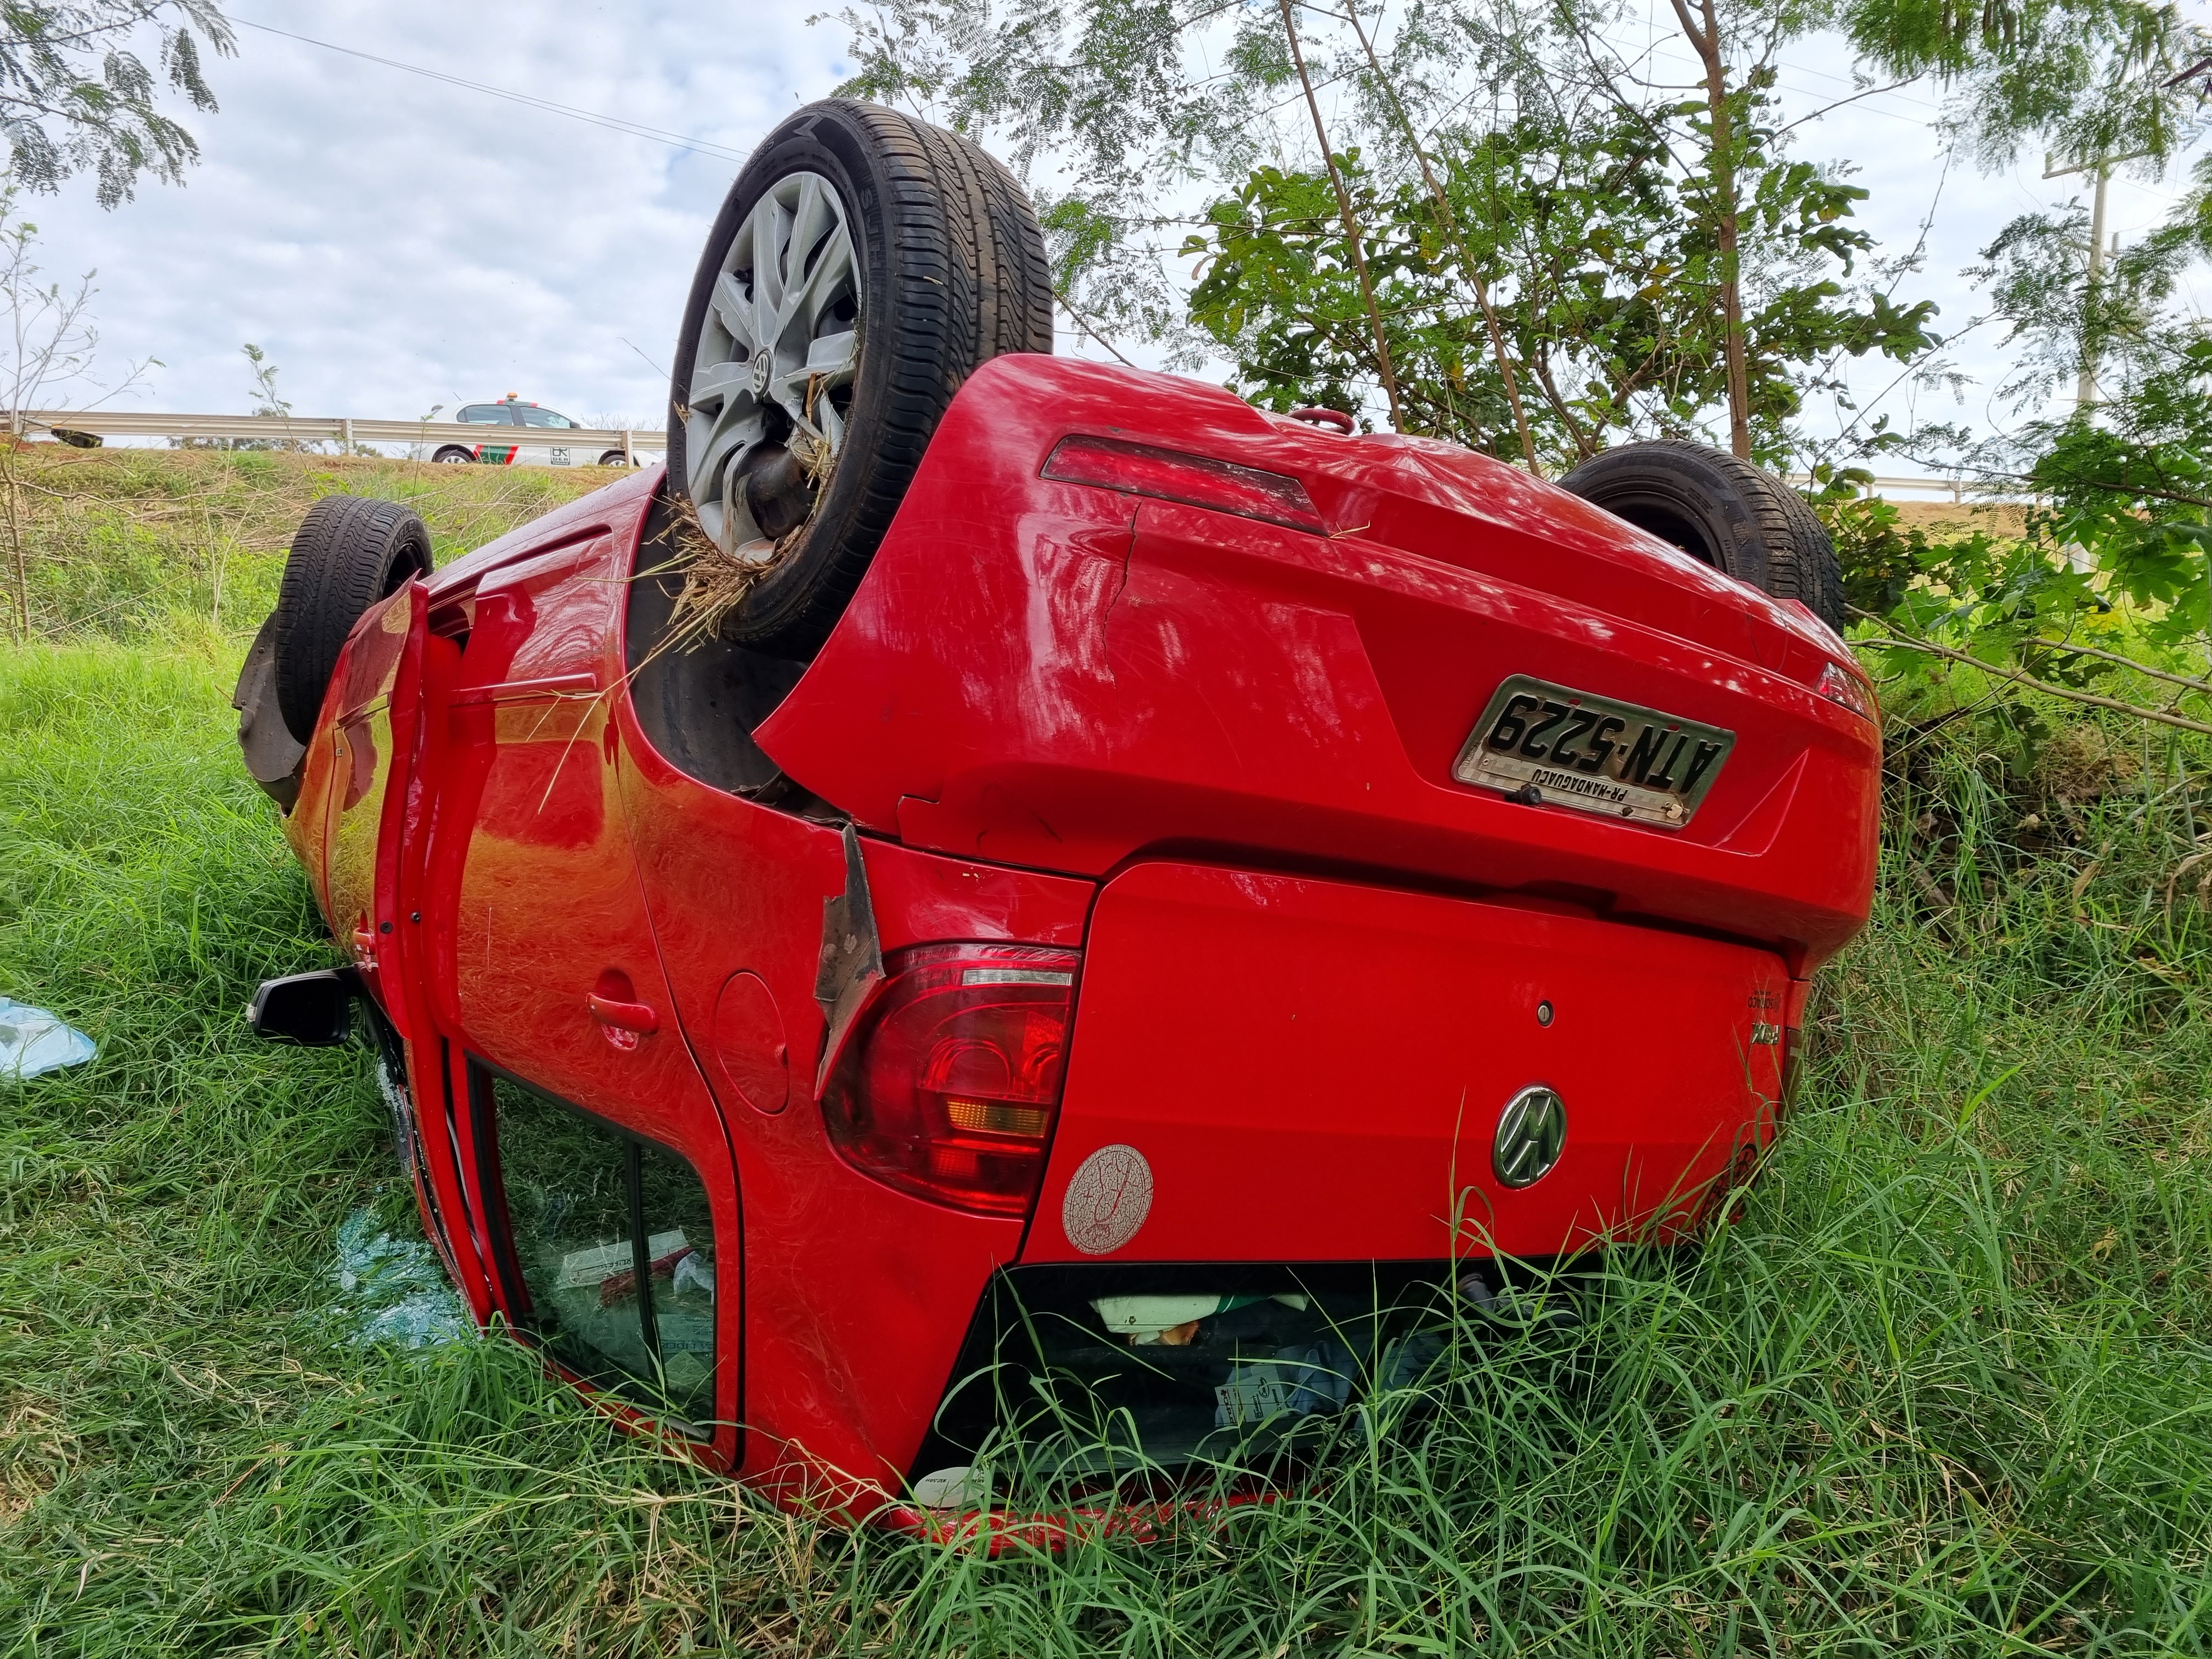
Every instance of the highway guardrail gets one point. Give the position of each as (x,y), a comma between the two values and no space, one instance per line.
(340,429)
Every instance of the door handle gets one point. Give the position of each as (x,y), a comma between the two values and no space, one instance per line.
(637,1017)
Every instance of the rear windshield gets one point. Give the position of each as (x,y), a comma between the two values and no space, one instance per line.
(485,414)
(533,416)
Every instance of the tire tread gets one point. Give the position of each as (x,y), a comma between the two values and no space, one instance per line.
(964,279)
(348,552)
(1771,539)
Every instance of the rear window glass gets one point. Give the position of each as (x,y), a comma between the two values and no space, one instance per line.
(485,414)
(544,417)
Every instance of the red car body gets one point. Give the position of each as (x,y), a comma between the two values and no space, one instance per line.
(1202,761)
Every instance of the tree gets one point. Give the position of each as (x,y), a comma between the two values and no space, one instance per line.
(1504,157)
(1141,105)
(2080,78)
(74,96)
(1566,243)
(2114,571)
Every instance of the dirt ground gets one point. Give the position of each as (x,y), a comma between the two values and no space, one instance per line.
(1998,518)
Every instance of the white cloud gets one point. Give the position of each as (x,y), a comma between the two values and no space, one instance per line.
(393,242)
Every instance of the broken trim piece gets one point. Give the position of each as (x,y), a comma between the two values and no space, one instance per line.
(852,959)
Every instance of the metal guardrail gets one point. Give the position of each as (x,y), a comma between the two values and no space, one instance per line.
(305,428)
(1959,491)
(309,429)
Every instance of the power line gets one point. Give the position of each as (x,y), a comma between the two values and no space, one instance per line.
(613,123)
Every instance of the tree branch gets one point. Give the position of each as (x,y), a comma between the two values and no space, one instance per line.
(2018,678)
(1351,223)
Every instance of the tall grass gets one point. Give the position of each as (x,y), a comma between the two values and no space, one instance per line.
(1941,1388)
(127,543)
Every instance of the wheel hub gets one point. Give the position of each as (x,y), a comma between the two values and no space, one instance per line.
(778,352)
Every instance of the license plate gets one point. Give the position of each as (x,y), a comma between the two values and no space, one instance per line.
(1575,748)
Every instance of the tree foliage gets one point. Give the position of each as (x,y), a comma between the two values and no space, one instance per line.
(2116,560)
(1602,270)
(1513,145)
(76,96)
(2077,77)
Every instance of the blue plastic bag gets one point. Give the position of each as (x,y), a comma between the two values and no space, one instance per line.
(33,1041)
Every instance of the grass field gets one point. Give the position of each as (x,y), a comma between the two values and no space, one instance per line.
(1944,1388)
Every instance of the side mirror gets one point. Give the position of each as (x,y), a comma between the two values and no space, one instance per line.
(312,1010)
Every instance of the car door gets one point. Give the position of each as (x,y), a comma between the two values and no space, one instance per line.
(357,776)
(544,446)
(597,1156)
(497,447)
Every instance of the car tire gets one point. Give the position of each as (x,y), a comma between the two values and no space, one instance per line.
(951,272)
(454,455)
(614,458)
(1723,512)
(350,552)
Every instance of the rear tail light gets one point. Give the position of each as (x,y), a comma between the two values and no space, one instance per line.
(949,1089)
(1838,685)
(1170,475)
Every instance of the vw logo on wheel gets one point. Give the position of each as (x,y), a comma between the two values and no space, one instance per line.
(1532,1132)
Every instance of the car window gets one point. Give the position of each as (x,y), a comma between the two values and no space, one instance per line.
(484,415)
(531,417)
(581,1196)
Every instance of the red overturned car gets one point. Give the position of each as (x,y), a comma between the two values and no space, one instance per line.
(996,891)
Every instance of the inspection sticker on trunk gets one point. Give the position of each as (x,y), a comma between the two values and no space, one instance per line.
(1573,748)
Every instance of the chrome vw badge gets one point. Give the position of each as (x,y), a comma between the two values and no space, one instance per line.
(1532,1132)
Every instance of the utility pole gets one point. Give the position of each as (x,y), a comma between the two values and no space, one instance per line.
(2085,384)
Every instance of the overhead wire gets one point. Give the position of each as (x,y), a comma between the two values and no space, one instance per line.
(613,123)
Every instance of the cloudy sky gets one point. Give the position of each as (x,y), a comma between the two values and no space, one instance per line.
(396,241)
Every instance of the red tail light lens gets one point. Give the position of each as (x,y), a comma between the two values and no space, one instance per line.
(1170,475)
(1838,685)
(949,1089)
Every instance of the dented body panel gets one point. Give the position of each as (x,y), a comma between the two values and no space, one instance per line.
(1114,675)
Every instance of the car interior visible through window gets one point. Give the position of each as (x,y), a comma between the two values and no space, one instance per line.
(593,1213)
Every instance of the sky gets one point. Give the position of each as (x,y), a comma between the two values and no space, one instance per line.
(394,240)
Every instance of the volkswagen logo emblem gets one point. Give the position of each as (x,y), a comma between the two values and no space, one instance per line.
(1532,1132)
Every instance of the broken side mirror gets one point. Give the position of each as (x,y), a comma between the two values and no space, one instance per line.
(312,1010)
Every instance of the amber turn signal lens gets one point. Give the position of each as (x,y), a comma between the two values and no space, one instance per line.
(996,1117)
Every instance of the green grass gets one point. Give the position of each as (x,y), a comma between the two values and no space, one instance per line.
(188,544)
(1944,1388)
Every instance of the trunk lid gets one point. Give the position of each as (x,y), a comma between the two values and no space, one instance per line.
(1272,1069)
